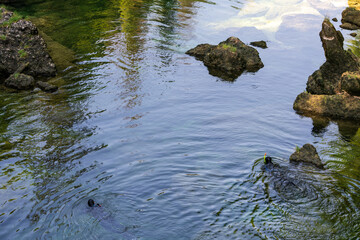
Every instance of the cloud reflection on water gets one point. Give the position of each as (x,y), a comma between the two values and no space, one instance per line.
(268,16)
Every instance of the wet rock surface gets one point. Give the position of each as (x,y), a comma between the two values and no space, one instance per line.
(350,19)
(260,44)
(307,154)
(326,79)
(228,59)
(21,43)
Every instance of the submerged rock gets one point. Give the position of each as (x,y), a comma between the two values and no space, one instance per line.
(21,43)
(260,44)
(350,19)
(307,154)
(228,59)
(46,87)
(326,79)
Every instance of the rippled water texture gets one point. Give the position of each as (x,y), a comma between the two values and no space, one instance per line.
(169,151)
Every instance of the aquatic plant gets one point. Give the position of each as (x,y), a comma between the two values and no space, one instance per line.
(22,53)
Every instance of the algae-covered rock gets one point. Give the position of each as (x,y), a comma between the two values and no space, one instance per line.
(20,81)
(340,106)
(307,154)
(326,80)
(20,43)
(228,59)
(46,87)
(260,44)
(350,82)
(350,19)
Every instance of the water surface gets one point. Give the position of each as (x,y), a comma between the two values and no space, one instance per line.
(170,151)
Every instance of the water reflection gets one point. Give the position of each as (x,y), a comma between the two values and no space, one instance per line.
(41,139)
(268,16)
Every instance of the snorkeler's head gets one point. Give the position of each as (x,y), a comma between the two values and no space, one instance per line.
(267,160)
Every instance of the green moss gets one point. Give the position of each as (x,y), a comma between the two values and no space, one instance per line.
(16,75)
(3,37)
(14,18)
(227,46)
(297,149)
(22,53)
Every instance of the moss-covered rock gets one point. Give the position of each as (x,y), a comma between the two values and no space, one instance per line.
(307,154)
(228,59)
(326,80)
(340,106)
(350,82)
(350,19)
(21,43)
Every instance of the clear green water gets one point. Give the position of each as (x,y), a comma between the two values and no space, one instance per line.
(170,151)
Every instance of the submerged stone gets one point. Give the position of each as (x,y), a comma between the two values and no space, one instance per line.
(46,87)
(228,59)
(307,154)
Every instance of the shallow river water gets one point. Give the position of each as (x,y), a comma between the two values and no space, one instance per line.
(168,150)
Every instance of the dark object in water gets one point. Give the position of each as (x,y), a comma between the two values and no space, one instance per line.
(267,160)
(91,203)
(260,44)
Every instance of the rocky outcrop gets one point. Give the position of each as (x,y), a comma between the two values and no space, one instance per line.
(307,154)
(326,80)
(260,44)
(333,89)
(228,59)
(350,19)
(21,43)
(340,106)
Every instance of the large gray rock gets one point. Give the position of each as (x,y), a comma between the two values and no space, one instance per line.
(326,80)
(307,154)
(20,43)
(228,59)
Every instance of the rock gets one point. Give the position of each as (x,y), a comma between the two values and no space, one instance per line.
(20,81)
(260,44)
(350,82)
(340,106)
(20,43)
(349,26)
(228,59)
(353,34)
(335,19)
(307,154)
(350,19)
(326,80)
(46,87)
